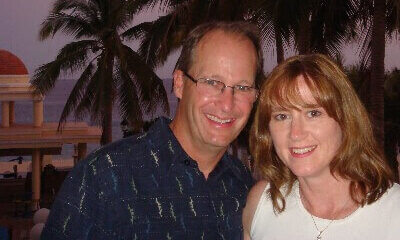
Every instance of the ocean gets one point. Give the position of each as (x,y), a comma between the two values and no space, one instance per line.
(54,103)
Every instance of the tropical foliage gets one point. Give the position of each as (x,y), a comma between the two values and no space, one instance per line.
(110,71)
(161,37)
(361,78)
(101,27)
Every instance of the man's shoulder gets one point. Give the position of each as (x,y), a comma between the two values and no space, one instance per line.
(242,169)
(116,158)
(118,150)
(236,162)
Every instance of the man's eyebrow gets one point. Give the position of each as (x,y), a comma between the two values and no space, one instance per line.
(245,82)
(221,78)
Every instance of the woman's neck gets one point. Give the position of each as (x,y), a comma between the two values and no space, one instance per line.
(327,198)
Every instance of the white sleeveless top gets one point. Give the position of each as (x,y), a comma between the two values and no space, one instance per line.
(379,221)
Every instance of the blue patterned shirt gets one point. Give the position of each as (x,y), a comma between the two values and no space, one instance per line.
(147,187)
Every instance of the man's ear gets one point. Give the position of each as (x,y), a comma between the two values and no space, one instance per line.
(178,83)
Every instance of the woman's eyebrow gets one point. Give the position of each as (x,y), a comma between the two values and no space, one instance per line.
(278,108)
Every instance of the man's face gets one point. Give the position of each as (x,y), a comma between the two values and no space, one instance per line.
(215,121)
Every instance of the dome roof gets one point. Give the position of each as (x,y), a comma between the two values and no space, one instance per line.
(11,64)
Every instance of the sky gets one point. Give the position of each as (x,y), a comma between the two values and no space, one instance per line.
(20,22)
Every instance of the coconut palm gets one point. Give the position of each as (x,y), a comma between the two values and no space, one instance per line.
(378,67)
(274,20)
(110,71)
(392,117)
(315,26)
(312,25)
(277,20)
(161,37)
(359,76)
(379,20)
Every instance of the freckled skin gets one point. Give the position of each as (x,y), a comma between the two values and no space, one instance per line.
(309,127)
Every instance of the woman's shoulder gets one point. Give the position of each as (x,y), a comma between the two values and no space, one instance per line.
(256,191)
(252,202)
(393,193)
(389,202)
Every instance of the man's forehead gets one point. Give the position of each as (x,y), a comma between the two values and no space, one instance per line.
(212,43)
(217,35)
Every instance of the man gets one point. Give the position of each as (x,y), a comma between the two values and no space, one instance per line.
(176,181)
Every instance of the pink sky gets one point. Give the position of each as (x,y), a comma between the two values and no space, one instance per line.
(20,22)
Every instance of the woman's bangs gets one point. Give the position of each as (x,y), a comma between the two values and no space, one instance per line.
(284,93)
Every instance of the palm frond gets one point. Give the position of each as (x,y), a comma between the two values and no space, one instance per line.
(128,97)
(136,32)
(62,5)
(274,18)
(393,17)
(365,34)
(149,86)
(162,4)
(128,10)
(76,94)
(69,24)
(71,57)
(164,35)
(87,103)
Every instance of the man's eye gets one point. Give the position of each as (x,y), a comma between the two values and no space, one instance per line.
(211,82)
(313,113)
(242,88)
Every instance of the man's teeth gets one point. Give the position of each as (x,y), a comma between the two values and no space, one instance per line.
(303,150)
(214,118)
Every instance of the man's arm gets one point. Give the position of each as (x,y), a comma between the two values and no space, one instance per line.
(251,205)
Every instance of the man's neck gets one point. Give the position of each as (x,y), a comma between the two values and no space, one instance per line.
(207,157)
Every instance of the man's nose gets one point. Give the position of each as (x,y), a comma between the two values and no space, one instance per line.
(227,98)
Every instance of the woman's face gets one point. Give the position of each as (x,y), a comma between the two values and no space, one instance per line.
(306,139)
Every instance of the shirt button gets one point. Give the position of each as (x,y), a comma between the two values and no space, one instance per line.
(187,162)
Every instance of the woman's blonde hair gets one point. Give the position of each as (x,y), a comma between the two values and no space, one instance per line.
(359,159)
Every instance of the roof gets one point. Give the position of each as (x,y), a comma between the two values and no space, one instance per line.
(11,64)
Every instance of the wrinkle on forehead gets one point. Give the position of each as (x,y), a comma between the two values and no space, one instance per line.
(225,62)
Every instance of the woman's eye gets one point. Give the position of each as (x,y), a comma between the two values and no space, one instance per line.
(313,113)
(280,117)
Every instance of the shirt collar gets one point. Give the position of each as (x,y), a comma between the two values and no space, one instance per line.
(161,135)
(227,164)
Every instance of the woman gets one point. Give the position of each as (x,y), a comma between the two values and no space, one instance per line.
(324,176)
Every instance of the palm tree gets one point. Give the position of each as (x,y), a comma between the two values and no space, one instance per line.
(274,20)
(161,37)
(313,25)
(392,118)
(110,70)
(379,19)
(378,67)
(278,21)
(308,25)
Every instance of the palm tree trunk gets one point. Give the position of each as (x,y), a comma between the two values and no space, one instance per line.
(106,136)
(304,34)
(280,55)
(378,69)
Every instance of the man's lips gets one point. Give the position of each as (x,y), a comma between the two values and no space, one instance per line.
(220,120)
